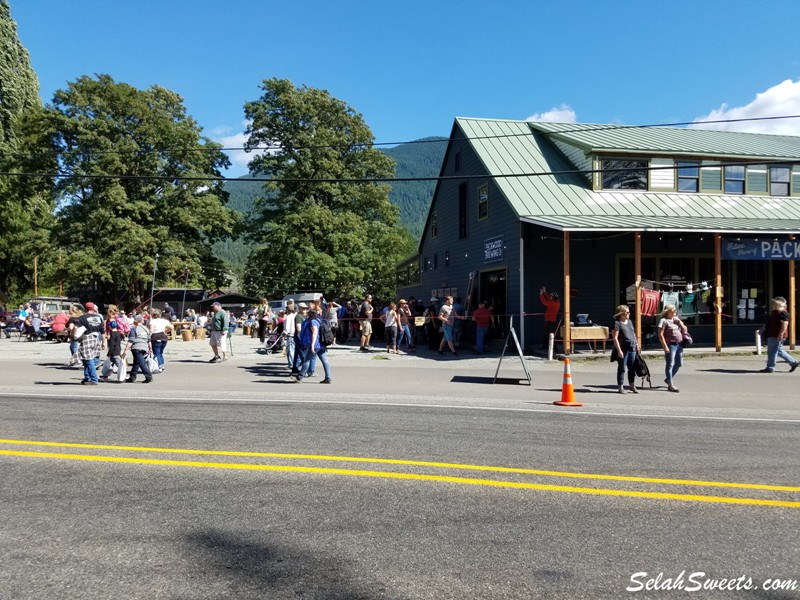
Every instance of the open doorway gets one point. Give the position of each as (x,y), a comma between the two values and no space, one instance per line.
(494,289)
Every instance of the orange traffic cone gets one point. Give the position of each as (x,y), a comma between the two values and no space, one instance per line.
(567,393)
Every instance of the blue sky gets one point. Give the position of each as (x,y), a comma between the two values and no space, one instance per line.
(411,67)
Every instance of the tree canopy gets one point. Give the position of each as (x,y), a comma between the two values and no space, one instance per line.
(137,179)
(24,205)
(322,223)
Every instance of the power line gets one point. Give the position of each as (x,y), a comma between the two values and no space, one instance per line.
(371,180)
(354,145)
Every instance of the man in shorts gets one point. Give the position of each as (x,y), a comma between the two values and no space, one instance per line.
(447,317)
(220,320)
(365,316)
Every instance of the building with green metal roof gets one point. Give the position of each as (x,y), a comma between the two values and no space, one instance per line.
(599,212)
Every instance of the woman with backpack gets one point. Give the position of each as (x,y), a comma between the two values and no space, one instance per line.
(311,340)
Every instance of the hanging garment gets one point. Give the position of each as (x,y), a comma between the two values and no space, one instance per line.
(705,305)
(650,299)
(689,305)
(670,298)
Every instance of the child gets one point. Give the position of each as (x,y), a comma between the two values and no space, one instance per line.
(115,356)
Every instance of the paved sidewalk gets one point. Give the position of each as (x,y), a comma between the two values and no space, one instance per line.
(710,384)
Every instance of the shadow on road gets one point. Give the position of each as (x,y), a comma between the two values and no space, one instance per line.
(270,570)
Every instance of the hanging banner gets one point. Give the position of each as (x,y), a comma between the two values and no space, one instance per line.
(493,249)
(761,250)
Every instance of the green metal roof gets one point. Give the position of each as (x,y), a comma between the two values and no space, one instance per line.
(674,141)
(541,185)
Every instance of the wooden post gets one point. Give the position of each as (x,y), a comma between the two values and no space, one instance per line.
(567,286)
(792,302)
(637,264)
(35,275)
(718,292)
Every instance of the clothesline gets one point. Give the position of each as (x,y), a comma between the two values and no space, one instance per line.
(702,285)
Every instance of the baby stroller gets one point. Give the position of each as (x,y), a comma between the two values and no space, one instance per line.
(642,370)
(273,343)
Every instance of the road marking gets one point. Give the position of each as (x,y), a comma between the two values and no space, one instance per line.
(569,413)
(410,476)
(414,463)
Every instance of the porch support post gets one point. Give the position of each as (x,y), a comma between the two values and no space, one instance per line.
(637,262)
(718,291)
(566,296)
(522,285)
(792,301)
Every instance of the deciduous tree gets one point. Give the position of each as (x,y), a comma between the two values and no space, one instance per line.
(322,223)
(138,179)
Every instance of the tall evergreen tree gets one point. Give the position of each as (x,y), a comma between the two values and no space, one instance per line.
(25,205)
(336,236)
(138,179)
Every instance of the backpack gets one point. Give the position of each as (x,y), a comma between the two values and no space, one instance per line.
(326,336)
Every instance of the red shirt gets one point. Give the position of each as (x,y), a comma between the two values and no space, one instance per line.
(553,306)
(482,317)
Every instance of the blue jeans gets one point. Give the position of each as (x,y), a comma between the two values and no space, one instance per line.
(140,363)
(774,350)
(158,351)
(480,338)
(674,361)
(404,334)
(90,370)
(73,347)
(310,357)
(290,351)
(627,360)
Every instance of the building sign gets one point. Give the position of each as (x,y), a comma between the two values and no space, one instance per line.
(493,249)
(761,250)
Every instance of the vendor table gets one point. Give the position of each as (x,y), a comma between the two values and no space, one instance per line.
(590,334)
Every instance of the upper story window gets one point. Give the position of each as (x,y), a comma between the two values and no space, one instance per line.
(779,178)
(688,176)
(734,179)
(483,202)
(623,174)
(462,210)
(434,224)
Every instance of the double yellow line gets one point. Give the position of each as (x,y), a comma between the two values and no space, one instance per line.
(408,476)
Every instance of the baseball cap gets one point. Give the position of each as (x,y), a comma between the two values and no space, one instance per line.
(217,304)
(434,299)
(90,306)
(138,318)
(303,305)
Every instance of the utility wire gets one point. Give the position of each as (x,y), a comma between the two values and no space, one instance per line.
(370,180)
(355,145)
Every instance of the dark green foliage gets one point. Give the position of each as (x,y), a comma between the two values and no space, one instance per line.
(111,228)
(25,205)
(316,230)
(422,158)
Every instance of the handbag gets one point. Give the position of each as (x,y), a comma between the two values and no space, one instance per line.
(687,339)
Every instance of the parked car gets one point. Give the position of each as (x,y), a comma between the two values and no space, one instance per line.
(52,305)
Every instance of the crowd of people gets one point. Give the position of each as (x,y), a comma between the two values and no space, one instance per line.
(304,331)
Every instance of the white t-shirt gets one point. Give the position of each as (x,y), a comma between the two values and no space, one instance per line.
(288,323)
(159,325)
(446,312)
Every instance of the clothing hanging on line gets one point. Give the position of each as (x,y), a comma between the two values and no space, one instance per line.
(670,298)
(689,305)
(650,302)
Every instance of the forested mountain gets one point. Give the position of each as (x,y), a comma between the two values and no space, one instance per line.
(421,158)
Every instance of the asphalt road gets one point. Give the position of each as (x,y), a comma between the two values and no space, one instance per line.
(402,480)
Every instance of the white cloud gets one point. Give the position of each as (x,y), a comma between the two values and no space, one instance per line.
(239,158)
(780,100)
(561,114)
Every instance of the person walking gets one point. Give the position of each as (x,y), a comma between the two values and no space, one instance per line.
(115,355)
(432,324)
(391,321)
(160,328)
(404,330)
(140,346)
(288,333)
(220,321)
(90,328)
(75,313)
(447,317)
(309,335)
(263,316)
(776,330)
(625,349)
(670,334)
